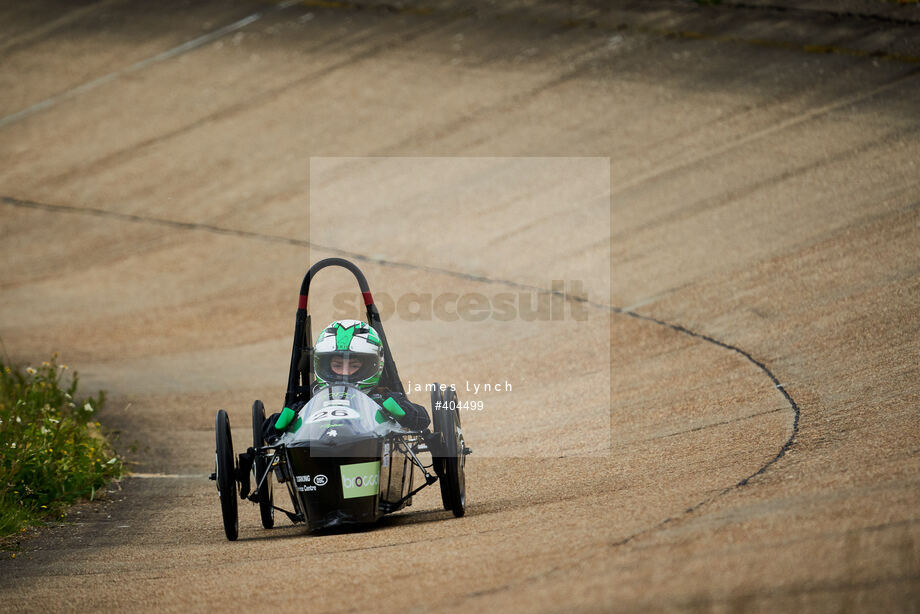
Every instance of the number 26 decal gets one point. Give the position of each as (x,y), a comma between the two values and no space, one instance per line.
(339,413)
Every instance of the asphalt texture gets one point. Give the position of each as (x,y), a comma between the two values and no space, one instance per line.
(727,421)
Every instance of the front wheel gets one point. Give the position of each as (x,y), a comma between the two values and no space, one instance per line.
(226,477)
(260,466)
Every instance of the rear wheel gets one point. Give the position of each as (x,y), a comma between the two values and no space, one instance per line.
(260,466)
(453,480)
(226,480)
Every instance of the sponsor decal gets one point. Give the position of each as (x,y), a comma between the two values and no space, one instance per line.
(360,479)
(318,480)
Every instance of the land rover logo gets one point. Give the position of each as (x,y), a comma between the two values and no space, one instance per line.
(320,480)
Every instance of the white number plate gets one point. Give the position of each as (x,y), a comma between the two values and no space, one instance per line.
(333,413)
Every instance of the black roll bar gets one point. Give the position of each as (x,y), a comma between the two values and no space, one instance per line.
(300,376)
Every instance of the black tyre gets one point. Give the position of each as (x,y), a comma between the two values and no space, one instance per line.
(453,481)
(437,455)
(260,465)
(226,477)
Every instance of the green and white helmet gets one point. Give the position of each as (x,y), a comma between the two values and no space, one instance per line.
(348,340)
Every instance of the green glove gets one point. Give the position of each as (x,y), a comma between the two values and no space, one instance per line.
(392,408)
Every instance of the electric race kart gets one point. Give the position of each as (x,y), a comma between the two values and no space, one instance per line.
(339,461)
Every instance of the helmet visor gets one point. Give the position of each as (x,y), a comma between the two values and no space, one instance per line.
(346,366)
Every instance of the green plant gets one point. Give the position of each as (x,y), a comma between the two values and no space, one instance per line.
(52,452)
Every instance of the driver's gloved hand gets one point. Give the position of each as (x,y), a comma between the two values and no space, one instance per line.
(284,419)
(395,406)
(390,410)
(275,425)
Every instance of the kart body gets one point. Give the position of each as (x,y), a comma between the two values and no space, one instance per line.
(342,460)
(341,465)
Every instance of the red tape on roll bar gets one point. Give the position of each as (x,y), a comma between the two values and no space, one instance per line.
(368,299)
(302,303)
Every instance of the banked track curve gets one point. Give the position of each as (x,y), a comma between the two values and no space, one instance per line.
(276,239)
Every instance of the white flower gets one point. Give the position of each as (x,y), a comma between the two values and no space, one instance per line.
(13,445)
(54,420)
(88,407)
(44,431)
(18,420)
(30,370)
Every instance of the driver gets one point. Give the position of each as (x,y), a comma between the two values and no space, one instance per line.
(349,351)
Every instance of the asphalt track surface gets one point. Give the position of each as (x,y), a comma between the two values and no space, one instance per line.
(761,328)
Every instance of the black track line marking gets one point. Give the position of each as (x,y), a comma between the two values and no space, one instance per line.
(210,228)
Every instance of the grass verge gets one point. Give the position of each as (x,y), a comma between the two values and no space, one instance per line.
(52,452)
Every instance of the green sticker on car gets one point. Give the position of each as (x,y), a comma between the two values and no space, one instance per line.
(360,480)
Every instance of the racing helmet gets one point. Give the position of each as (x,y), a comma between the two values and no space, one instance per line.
(344,342)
